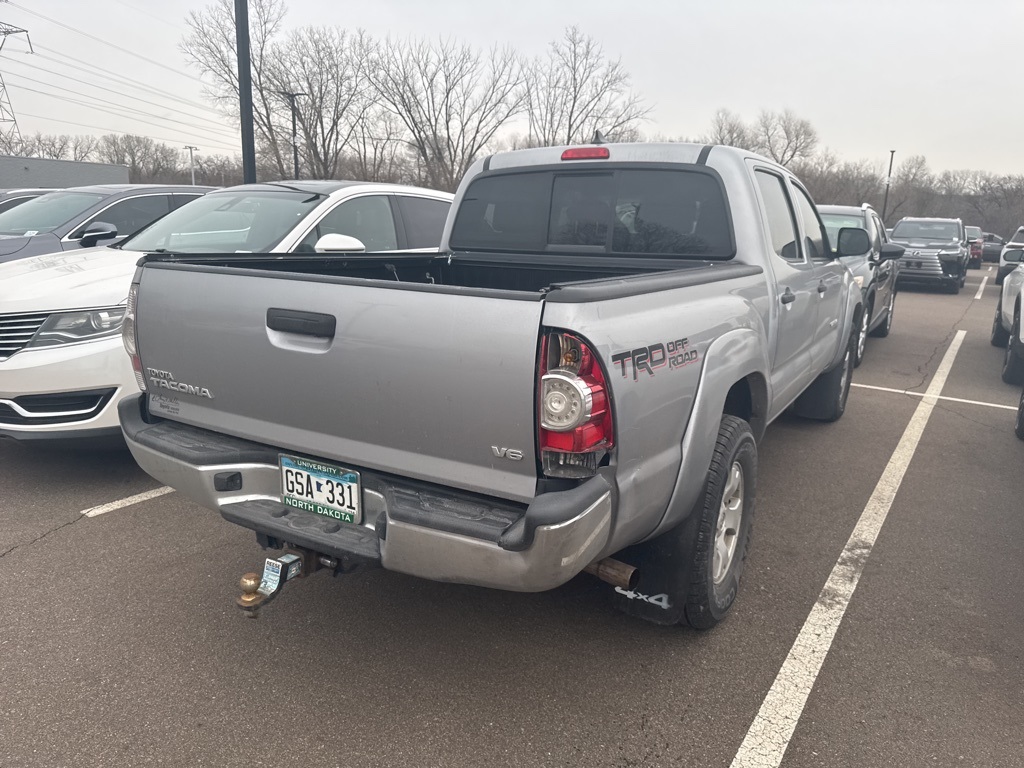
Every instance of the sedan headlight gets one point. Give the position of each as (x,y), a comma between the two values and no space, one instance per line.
(75,327)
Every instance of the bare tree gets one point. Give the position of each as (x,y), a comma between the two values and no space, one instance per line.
(784,137)
(148,161)
(451,99)
(379,148)
(210,47)
(913,189)
(576,90)
(728,128)
(83,147)
(327,65)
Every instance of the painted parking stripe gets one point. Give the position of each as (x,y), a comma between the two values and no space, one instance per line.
(138,498)
(990,269)
(769,735)
(941,397)
(981,287)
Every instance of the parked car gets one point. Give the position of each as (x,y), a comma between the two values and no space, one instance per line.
(9,198)
(976,247)
(992,247)
(583,371)
(81,217)
(1006,327)
(875,275)
(62,367)
(936,252)
(1008,261)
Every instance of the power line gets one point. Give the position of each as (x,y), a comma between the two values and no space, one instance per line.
(80,103)
(115,130)
(151,15)
(219,129)
(107,43)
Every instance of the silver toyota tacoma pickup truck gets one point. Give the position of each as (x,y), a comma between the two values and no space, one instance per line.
(577,381)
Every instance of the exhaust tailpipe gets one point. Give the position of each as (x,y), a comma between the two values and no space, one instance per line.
(615,572)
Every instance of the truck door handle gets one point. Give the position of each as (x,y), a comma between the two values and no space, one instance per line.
(822,287)
(302,323)
(788,297)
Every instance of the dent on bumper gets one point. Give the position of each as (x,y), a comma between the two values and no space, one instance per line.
(554,551)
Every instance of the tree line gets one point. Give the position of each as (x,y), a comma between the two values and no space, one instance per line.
(421,112)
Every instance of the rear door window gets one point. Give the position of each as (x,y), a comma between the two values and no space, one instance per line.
(781,222)
(815,240)
(627,211)
(424,220)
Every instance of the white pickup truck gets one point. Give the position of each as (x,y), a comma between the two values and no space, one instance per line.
(577,381)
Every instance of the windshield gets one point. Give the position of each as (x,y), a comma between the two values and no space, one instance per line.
(926,230)
(620,211)
(47,212)
(835,221)
(973,233)
(241,220)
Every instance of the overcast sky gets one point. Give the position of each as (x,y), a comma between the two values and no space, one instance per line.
(931,77)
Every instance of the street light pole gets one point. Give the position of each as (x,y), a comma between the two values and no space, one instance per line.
(291,97)
(888,181)
(245,117)
(192,162)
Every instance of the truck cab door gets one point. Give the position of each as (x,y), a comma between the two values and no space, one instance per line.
(829,279)
(796,299)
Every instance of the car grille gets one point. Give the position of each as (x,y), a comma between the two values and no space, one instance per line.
(57,408)
(17,330)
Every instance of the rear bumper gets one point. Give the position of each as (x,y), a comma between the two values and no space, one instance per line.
(410,527)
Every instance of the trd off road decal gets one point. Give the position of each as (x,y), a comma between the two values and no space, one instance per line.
(674,354)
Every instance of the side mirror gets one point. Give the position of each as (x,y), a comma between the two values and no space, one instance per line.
(1012,257)
(338,243)
(98,230)
(853,241)
(890,252)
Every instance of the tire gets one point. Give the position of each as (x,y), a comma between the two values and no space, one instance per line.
(862,335)
(883,330)
(1000,336)
(1013,362)
(690,575)
(953,287)
(825,399)
(1018,427)
(963,277)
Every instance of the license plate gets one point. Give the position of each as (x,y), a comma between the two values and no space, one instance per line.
(325,489)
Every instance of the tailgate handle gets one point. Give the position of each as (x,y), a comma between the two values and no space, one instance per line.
(302,323)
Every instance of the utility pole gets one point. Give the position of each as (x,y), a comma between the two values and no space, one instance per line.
(10,134)
(245,91)
(291,97)
(888,180)
(192,162)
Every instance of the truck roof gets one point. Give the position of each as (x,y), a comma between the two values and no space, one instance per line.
(639,152)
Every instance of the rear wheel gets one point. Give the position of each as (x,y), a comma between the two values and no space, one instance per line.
(1018,427)
(691,574)
(883,330)
(825,399)
(963,276)
(1013,364)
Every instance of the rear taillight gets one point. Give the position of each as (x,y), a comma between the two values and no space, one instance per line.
(575,418)
(131,342)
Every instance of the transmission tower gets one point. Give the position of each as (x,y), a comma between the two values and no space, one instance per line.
(10,135)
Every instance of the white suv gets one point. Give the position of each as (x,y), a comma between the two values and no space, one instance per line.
(62,366)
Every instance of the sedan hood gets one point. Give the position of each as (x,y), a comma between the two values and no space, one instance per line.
(89,277)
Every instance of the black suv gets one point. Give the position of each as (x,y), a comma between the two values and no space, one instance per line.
(875,276)
(936,254)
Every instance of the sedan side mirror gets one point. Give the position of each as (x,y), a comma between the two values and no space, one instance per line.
(98,230)
(338,243)
(853,241)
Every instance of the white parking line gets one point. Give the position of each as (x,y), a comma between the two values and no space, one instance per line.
(768,738)
(981,287)
(102,509)
(941,397)
(990,269)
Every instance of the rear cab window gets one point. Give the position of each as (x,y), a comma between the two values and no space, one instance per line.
(630,211)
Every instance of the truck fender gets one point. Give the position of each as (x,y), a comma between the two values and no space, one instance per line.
(854,305)
(733,356)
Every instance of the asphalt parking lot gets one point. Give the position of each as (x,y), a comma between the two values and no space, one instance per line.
(120,644)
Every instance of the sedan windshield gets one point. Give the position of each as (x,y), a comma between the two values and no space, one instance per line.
(46,213)
(835,221)
(926,230)
(241,220)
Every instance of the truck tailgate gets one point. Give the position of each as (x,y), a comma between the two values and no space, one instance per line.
(426,384)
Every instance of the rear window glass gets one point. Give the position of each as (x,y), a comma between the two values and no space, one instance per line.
(618,211)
